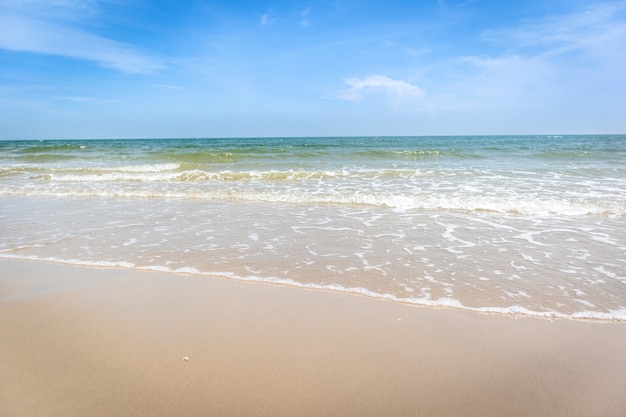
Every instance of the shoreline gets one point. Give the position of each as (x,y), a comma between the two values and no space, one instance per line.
(515,312)
(108,341)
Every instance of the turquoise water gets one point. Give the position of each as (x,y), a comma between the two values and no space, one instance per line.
(530,225)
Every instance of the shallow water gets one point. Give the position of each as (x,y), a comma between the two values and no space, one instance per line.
(515,225)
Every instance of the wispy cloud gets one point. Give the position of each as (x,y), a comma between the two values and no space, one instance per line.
(268,19)
(169,87)
(554,63)
(271,17)
(558,34)
(359,87)
(416,52)
(591,38)
(26,31)
(54,9)
(304,14)
(82,99)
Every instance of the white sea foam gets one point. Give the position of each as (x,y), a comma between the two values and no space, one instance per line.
(442,302)
(168,182)
(130,241)
(613,315)
(77,262)
(187,270)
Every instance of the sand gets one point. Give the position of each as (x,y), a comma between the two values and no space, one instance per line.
(111,342)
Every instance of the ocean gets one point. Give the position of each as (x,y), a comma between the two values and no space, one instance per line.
(519,225)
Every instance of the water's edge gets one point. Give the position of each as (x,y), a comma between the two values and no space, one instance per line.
(514,312)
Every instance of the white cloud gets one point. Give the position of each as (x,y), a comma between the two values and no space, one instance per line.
(579,29)
(32,35)
(378,83)
(559,52)
(81,99)
(561,72)
(417,52)
(305,21)
(170,87)
(53,28)
(268,19)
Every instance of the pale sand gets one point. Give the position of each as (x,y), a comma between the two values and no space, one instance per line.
(108,342)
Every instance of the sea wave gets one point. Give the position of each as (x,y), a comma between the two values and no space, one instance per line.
(451,173)
(512,204)
(180,172)
(618,315)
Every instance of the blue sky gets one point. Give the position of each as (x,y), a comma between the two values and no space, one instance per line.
(141,68)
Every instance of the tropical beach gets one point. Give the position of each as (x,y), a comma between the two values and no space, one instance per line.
(98,341)
(320,208)
(449,276)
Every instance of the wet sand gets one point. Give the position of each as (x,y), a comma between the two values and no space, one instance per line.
(111,342)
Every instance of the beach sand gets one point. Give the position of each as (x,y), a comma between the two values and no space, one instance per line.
(110,342)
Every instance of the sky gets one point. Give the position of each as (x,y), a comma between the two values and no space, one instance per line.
(198,68)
